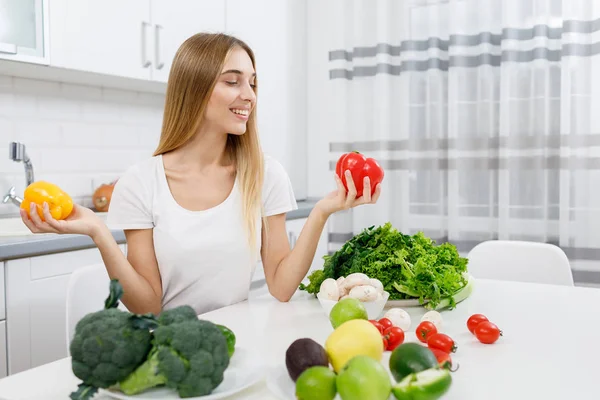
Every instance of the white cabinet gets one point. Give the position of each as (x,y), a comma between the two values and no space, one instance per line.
(36,291)
(111,37)
(24,30)
(133,39)
(173,21)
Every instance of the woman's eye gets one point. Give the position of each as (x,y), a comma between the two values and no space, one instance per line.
(231,83)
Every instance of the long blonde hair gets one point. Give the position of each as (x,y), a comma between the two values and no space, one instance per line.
(194,73)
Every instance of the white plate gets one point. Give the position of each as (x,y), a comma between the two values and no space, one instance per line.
(243,371)
(404,303)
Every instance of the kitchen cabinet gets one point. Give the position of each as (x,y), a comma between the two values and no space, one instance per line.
(24,30)
(36,290)
(104,36)
(133,39)
(173,21)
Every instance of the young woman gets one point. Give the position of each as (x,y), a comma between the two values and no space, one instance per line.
(208,204)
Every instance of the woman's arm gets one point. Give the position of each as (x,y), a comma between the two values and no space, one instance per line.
(138,272)
(285,268)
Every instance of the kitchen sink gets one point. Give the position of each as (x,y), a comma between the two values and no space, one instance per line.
(15,226)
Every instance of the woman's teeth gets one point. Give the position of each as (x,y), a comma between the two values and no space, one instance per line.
(240,112)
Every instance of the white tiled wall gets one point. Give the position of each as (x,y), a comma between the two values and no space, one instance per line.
(76,136)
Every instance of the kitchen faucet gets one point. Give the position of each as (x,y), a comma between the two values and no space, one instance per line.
(16,152)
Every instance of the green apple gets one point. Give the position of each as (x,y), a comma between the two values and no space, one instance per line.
(346,310)
(363,378)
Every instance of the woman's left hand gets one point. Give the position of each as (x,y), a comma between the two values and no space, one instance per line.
(341,199)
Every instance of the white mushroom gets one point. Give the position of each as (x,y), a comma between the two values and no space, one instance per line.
(342,289)
(356,279)
(364,293)
(399,318)
(435,318)
(329,290)
(376,283)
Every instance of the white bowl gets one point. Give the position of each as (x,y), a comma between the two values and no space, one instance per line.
(374,308)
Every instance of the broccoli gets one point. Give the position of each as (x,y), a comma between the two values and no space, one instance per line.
(108,345)
(177,314)
(189,356)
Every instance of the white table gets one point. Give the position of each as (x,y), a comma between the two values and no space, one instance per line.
(558,361)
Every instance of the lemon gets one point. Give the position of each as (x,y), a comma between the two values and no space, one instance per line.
(353,338)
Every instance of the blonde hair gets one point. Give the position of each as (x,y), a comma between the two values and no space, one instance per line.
(194,73)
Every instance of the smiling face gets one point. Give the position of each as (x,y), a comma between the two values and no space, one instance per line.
(233,97)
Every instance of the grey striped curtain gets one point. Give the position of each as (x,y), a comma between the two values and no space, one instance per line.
(484,113)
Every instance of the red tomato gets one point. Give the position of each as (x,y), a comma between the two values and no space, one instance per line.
(385,343)
(487,332)
(394,336)
(386,323)
(442,342)
(425,330)
(475,320)
(377,325)
(360,167)
(443,358)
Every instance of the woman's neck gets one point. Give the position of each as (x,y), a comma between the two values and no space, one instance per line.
(206,150)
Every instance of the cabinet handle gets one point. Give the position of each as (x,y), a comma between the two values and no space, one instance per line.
(145,61)
(8,48)
(292,240)
(158,64)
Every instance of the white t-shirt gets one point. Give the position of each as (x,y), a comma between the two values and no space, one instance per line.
(203,256)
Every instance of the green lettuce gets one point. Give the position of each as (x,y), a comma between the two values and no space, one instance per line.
(408,266)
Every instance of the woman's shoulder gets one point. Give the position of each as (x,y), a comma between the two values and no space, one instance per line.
(144,170)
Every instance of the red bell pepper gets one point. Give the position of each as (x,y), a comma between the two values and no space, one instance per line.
(360,167)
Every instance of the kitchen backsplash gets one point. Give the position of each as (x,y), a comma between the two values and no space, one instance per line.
(76,136)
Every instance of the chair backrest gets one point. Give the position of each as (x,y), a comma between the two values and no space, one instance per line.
(87,290)
(521,261)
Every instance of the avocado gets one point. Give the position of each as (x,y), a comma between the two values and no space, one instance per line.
(302,354)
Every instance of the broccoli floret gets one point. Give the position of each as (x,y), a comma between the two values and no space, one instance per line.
(189,356)
(177,314)
(108,345)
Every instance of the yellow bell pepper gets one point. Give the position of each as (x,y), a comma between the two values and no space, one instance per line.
(59,202)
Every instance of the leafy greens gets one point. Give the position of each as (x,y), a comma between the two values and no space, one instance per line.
(408,266)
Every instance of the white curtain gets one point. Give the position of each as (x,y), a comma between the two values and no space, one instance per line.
(485,115)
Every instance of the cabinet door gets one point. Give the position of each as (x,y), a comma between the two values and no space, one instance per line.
(24,32)
(36,291)
(3,353)
(176,20)
(110,37)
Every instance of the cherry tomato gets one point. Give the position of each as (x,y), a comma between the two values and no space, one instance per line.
(425,330)
(386,323)
(475,320)
(443,358)
(487,332)
(443,342)
(377,325)
(394,336)
(385,343)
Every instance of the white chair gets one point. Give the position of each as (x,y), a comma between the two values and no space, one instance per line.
(87,290)
(521,261)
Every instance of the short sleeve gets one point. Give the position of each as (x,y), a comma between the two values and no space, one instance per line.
(130,204)
(278,193)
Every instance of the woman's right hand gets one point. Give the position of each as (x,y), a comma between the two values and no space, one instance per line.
(82,221)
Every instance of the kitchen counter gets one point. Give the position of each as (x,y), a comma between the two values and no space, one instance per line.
(12,247)
(541,355)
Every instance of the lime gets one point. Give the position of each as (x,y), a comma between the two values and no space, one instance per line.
(409,358)
(364,378)
(346,310)
(316,383)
